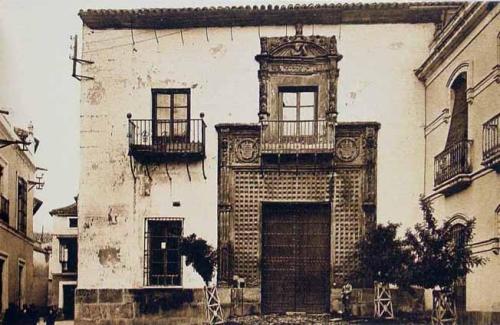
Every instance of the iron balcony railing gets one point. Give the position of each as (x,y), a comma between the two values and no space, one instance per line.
(313,136)
(491,138)
(167,137)
(453,161)
(4,209)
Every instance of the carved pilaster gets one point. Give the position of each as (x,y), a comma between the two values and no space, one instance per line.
(224,210)
(370,183)
(331,113)
(263,84)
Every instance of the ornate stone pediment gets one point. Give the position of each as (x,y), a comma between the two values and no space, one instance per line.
(301,46)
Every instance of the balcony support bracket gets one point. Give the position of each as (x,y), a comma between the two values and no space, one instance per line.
(203,169)
(132,168)
(168,173)
(279,164)
(261,165)
(187,169)
(147,173)
(315,163)
(296,164)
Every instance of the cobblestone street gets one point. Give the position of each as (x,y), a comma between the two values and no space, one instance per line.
(310,320)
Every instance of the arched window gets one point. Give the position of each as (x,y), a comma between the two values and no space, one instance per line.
(458,234)
(459,286)
(459,113)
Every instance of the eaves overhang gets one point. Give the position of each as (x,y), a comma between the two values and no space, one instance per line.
(452,35)
(270,15)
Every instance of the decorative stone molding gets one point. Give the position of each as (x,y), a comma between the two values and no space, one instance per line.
(455,32)
(493,77)
(454,185)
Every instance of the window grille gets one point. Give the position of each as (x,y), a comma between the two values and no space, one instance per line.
(162,258)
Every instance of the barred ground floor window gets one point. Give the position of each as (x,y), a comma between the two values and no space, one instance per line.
(162,259)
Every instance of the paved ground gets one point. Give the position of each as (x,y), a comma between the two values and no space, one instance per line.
(298,320)
(310,320)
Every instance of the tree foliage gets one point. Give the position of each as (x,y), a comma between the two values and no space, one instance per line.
(201,255)
(437,258)
(382,256)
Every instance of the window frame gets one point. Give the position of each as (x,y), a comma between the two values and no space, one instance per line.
(147,252)
(171,137)
(298,90)
(460,76)
(70,219)
(22,205)
(64,244)
(4,287)
(21,281)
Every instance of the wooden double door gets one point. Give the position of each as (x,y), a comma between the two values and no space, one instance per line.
(295,257)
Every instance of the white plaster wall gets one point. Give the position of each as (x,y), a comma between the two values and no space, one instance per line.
(376,84)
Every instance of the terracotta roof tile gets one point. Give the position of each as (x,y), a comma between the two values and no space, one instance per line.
(67,211)
(334,13)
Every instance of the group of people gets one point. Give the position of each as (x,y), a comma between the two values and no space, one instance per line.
(29,315)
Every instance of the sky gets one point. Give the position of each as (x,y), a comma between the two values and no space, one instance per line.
(36,83)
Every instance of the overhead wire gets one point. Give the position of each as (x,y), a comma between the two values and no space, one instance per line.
(157,37)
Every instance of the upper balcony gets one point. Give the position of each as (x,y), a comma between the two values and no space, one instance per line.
(166,140)
(452,168)
(491,143)
(297,137)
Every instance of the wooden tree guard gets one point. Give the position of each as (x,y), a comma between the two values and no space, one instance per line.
(444,311)
(214,309)
(383,302)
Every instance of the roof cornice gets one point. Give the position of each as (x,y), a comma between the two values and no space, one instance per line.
(338,13)
(452,35)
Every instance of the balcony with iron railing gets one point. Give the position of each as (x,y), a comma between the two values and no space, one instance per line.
(491,143)
(161,140)
(297,137)
(452,168)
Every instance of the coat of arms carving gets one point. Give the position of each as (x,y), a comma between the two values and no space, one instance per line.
(347,149)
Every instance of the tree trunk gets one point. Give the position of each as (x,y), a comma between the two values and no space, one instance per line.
(382,301)
(444,311)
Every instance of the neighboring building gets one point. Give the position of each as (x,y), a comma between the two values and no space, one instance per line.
(272,172)
(40,282)
(462,147)
(64,258)
(41,264)
(17,207)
